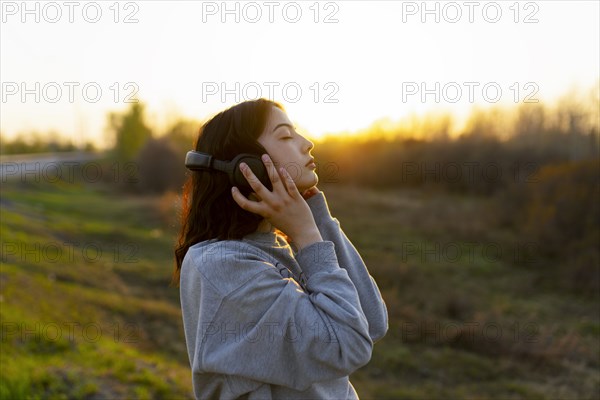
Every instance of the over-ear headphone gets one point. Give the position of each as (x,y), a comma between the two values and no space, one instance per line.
(195,161)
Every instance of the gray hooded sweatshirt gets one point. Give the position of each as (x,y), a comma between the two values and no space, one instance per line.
(264,321)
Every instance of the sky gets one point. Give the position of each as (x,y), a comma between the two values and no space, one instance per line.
(335,65)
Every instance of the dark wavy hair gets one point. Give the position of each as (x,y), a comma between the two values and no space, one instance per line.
(208,209)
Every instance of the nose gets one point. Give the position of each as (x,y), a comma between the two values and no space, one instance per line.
(309,144)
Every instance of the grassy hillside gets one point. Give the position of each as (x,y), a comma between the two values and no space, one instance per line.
(86,311)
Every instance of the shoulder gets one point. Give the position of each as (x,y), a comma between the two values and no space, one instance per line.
(227,264)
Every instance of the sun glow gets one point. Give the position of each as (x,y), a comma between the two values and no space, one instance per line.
(372,66)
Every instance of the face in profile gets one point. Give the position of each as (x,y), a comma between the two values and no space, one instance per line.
(289,149)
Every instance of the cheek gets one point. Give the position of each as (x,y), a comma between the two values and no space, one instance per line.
(295,172)
(281,156)
(274,152)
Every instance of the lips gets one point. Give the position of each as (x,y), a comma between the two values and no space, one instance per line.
(311,161)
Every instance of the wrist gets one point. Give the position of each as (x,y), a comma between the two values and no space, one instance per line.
(307,238)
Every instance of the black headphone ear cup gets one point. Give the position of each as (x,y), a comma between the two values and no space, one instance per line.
(258,168)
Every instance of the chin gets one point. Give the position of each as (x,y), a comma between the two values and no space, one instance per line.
(308,182)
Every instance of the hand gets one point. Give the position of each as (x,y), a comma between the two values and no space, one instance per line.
(308,193)
(284,207)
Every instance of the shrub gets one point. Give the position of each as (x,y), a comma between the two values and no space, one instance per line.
(160,167)
(560,212)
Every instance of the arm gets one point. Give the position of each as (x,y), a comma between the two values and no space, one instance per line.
(270,330)
(348,257)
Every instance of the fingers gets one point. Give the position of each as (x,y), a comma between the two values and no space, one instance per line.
(254,197)
(289,183)
(273,175)
(307,194)
(244,203)
(282,180)
(257,185)
(253,181)
(281,184)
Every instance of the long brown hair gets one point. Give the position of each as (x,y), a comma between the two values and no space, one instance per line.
(208,209)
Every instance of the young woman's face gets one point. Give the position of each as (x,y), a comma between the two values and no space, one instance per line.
(289,149)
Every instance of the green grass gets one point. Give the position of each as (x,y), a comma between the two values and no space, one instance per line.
(85,308)
(87,259)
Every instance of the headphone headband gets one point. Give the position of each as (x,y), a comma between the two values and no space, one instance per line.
(197,161)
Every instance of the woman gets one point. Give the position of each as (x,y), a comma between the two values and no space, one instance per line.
(276,301)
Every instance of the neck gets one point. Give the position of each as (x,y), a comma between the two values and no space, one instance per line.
(264,226)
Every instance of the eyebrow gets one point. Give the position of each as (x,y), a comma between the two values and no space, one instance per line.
(284,124)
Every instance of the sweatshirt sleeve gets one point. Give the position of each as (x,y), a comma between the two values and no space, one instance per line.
(348,257)
(270,330)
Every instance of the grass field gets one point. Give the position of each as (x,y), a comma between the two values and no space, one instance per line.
(87,313)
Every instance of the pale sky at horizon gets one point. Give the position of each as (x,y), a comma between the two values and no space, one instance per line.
(367,60)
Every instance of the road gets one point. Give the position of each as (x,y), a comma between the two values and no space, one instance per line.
(43,166)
